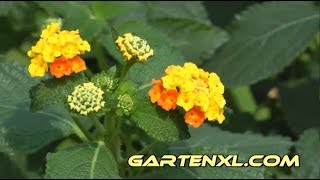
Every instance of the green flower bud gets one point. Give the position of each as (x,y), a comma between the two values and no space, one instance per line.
(126,103)
(86,98)
(104,82)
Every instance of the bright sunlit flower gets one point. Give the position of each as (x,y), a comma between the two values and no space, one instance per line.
(198,92)
(59,50)
(134,48)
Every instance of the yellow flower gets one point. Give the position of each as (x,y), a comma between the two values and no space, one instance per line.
(212,111)
(38,67)
(134,48)
(202,100)
(186,100)
(200,93)
(51,29)
(214,83)
(55,44)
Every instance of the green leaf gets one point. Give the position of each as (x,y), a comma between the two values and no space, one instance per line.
(158,123)
(197,41)
(20,130)
(193,10)
(265,38)
(219,141)
(108,10)
(211,140)
(143,73)
(153,36)
(53,91)
(186,24)
(75,15)
(308,148)
(92,160)
(126,87)
(300,105)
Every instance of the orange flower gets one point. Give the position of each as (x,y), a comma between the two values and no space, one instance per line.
(194,117)
(168,99)
(61,67)
(78,64)
(156,90)
(198,92)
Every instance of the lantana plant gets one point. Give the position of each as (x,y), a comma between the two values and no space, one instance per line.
(159,90)
(108,99)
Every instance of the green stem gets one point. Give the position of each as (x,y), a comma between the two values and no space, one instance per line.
(84,130)
(114,130)
(125,70)
(101,58)
(113,125)
(146,149)
(109,127)
(98,125)
(114,141)
(88,72)
(142,151)
(117,140)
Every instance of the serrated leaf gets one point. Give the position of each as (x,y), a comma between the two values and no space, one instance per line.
(92,160)
(308,148)
(53,91)
(20,130)
(265,38)
(211,140)
(157,123)
(112,71)
(197,41)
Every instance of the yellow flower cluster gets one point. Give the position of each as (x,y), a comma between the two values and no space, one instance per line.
(198,92)
(133,47)
(86,98)
(53,44)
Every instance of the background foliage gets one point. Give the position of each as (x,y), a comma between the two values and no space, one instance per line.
(266,53)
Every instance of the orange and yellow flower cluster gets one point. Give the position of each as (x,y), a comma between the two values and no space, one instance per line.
(198,92)
(57,50)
